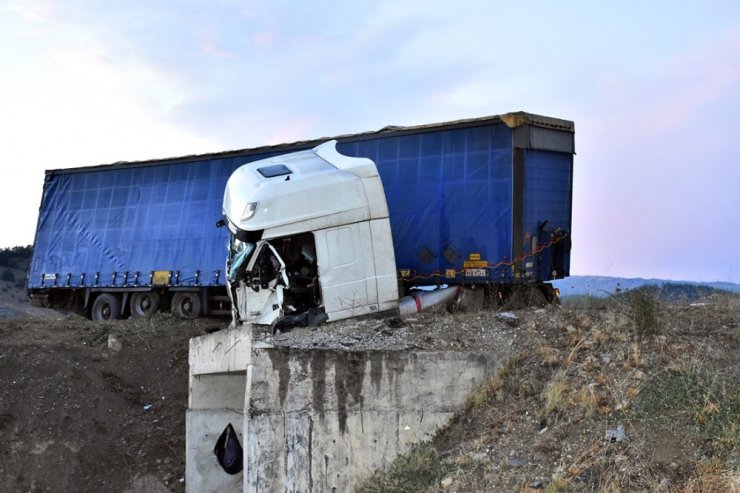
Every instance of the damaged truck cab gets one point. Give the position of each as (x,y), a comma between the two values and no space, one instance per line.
(310,239)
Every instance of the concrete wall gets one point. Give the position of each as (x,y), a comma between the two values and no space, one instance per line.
(316,420)
(217,397)
(322,420)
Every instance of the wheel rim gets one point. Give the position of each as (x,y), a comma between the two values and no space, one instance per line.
(186,307)
(106,307)
(144,304)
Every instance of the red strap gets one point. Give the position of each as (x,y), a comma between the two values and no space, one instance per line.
(418,302)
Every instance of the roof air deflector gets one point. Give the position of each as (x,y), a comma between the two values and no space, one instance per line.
(274,170)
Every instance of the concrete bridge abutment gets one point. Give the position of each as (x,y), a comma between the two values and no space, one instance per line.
(317,419)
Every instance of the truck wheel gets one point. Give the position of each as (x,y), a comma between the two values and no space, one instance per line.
(186,305)
(549,293)
(106,307)
(144,305)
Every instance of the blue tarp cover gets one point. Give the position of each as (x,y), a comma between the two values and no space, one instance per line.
(449,194)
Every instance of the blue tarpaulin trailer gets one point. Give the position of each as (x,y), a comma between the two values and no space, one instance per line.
(479,201)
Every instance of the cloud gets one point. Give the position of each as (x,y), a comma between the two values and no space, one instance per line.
(73,98)
(266,39)
(653,184)
(36,11)
(679,91)
(208,45)
(654,97)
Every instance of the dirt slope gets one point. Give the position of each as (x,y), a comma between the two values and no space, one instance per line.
(597,398)
(620,395)
(77,416)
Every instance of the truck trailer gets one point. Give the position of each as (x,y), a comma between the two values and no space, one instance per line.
(484,202)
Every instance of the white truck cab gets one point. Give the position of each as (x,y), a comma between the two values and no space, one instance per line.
(310,239)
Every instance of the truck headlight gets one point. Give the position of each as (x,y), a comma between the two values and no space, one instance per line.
(249,211)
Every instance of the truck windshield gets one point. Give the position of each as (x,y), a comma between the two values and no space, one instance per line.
(239,253)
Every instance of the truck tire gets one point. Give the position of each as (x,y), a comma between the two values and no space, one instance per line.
(186,305)
(144,305)
(548,291)
(106,307)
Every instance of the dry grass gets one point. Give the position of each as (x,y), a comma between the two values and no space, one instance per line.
(634,359)
(549,355)
(559,484)
(670,381)
(556,392)
(712,476)
(491,390)
(588,399)
(703,399)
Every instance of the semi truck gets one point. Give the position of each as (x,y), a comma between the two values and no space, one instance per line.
(316,230)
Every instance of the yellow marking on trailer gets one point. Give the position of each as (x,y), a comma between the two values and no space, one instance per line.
(161,278)
(450,273)
(475,256)
(475,264)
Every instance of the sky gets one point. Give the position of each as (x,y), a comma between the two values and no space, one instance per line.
(653,88)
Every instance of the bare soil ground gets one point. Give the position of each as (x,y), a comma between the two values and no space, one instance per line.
(78,416)
(598,397)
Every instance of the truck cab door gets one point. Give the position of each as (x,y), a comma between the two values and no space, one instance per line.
(266,281)
(347,270)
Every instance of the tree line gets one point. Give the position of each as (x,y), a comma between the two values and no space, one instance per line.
(16,257)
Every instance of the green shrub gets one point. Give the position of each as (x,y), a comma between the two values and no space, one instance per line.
(415,471)
(700,399)
(644,309)
(12,257)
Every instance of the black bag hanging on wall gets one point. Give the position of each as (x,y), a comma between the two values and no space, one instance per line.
(229,452)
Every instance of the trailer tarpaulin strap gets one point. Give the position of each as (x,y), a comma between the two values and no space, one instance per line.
(562,237)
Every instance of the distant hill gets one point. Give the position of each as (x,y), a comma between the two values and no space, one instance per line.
(16,257)
(15,261)
(601,286)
